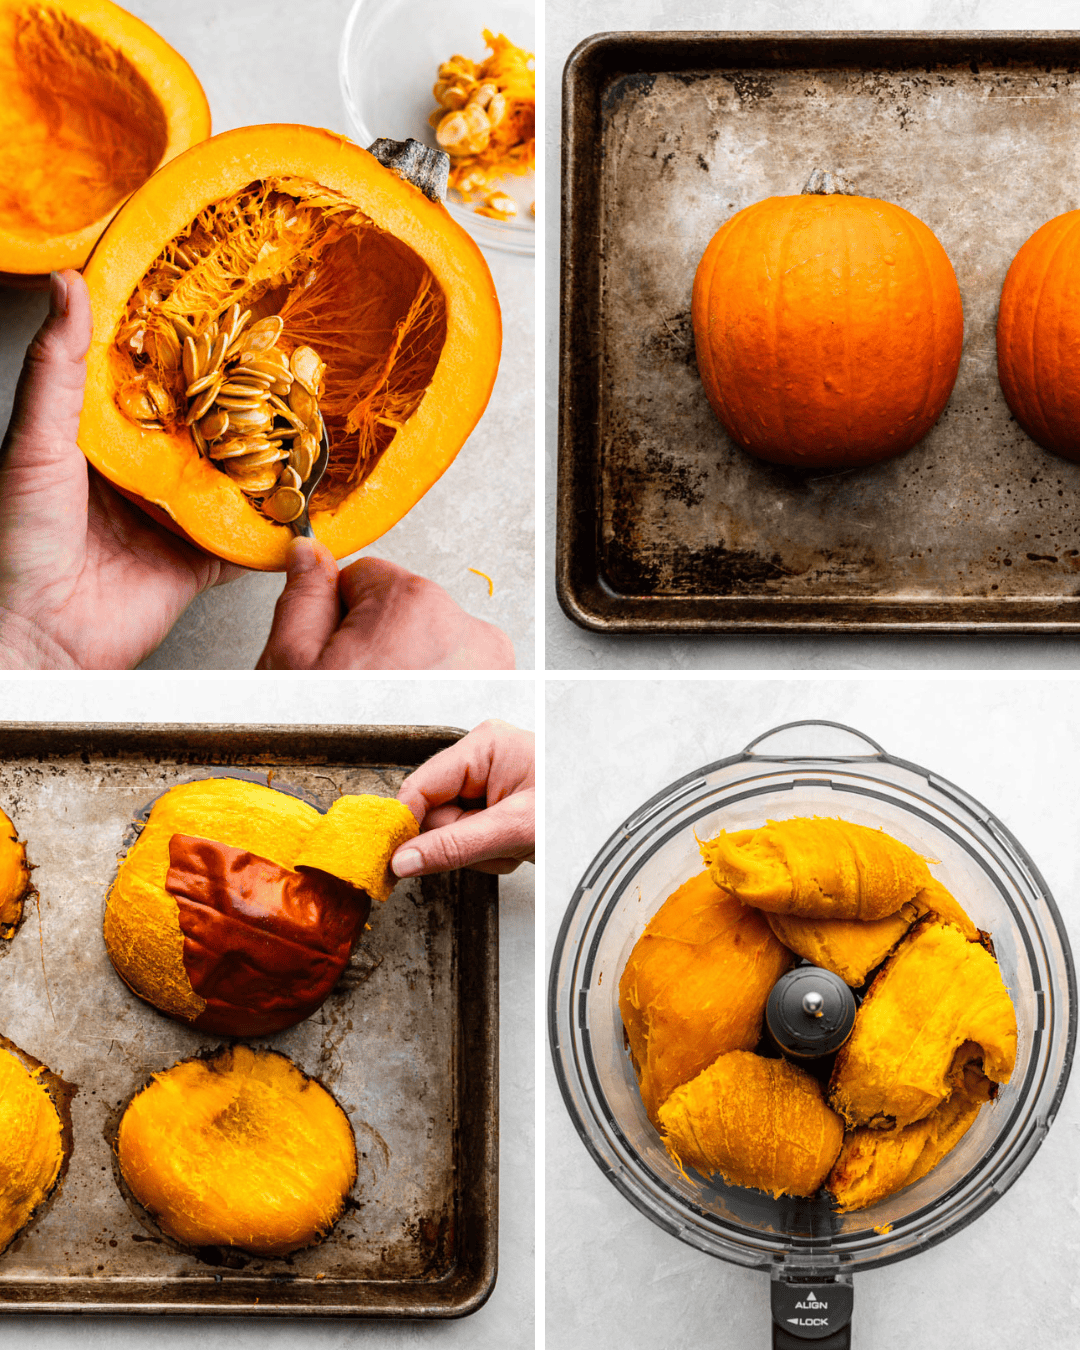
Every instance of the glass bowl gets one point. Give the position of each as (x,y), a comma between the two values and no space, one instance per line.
(391,51)
(809,769)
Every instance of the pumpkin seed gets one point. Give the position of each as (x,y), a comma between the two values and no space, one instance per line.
(135,403)
(242,389)
(254,483)
(191,360)
(235,446)
(202,404)
(215,424)
(307,368)
(303,404)
(203,382)
(183,329)
(285,505)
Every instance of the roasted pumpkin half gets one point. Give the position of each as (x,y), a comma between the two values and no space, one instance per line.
(32,1146)
(238,1150)
(828,329)
(14,877)
(270,285)
(237,907)
(94,102)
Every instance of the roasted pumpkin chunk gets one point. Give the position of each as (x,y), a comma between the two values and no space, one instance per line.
(847,947)
(755,1122)
(695,986)
(937,991)
(875,1163)
(817,868)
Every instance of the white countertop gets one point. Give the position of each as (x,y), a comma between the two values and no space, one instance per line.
(615,1281)
(572,648)
(267,61)
(507,1318)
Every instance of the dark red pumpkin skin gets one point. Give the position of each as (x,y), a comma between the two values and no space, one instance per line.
(828,329)
(1038,336)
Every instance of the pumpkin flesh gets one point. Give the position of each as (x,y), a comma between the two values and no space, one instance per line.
(359,264)
(94,101)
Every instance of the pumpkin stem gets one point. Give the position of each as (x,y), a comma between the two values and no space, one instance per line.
(822,183)
(424,168)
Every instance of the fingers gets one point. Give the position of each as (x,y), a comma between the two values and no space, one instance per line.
(493,761)
(45,418)
(500,834)
(397,620)
(307,611)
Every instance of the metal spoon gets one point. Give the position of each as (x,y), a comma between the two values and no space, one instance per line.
(302,525)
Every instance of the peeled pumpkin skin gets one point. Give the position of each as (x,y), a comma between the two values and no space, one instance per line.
(756,1122)
(14,877)
(31,1144)
(696,985)
(163,469)
(817,868)
(94,101)
(828,329)
(240,1150)
(937,991)
(852,949)
(873,1164)
(151,949)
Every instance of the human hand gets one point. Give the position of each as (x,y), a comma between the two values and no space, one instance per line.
(476,804)
(373,615)
(86,580)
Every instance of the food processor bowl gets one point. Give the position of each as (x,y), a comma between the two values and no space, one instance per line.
(809,769)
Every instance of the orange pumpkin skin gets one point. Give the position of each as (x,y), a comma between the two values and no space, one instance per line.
(164,471)
(1038,336)
(94,102)
(828,329)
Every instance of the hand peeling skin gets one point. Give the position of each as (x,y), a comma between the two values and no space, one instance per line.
(80,128)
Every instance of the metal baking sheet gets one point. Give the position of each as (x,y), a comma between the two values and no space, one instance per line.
(407,1042)
(664,525)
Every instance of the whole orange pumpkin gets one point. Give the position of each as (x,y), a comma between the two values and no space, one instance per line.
(828,329)
(1038,336)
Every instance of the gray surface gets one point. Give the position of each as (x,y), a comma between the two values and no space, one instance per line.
(267,61)
(613,1278)
(506,1320)
(570,647)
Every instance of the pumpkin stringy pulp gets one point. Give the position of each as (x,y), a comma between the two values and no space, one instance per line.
(281,309)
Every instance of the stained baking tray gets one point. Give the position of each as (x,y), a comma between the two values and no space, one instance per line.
(664,525)
(407,1042)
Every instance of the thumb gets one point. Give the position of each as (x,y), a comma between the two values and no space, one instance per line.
(45,418)
(307,612)
(505,831)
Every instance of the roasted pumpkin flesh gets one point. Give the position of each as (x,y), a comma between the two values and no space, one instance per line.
(80,128)
(934,1036)
(695,986)
(31,1144)
(241,1150)
(358,297)
(756,1122)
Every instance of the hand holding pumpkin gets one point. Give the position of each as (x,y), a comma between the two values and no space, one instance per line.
(86,581)
(373,615)
(492,767)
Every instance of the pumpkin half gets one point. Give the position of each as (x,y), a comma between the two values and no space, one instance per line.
(238,1150)
(237,907)
(94,102)
(828,329)
(328,251)
(1038,336)
(32,1144)
(14,877)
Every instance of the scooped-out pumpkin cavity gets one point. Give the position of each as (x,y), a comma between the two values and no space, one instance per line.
(238,1150)
(80,127)
(279,310)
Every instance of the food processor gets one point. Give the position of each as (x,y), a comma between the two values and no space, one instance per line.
(809,768)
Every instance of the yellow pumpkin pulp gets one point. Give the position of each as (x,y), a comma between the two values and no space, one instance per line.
(31,1143)
(360,265)
(94,101)
(239,1150)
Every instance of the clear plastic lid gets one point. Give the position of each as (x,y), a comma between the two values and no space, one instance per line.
(807,769)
